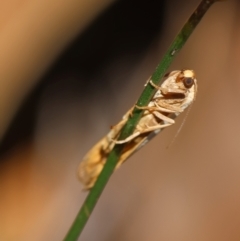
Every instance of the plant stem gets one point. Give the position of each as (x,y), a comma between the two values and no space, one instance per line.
(129,127)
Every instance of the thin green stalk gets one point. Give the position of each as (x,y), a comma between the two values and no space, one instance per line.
(144,99)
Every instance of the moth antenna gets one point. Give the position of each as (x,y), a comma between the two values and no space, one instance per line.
(180,127)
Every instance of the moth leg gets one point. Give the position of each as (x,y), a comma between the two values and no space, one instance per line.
(154,85)
(148,80)
(163,117)
(155,127)
(131,137)
(145,130)
(149,108)
(166,91)
(128,114)
(158,114)
(155,108)
(157,87)
(170,107)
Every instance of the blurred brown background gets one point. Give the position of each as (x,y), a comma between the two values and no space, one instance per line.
(70,70)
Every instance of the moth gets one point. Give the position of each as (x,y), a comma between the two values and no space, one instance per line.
(175,94)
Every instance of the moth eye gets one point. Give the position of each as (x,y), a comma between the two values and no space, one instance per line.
(188,82)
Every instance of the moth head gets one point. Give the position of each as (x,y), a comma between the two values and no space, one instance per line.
(187,77)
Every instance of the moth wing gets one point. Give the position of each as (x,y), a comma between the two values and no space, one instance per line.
(93,162)
(95,159)
(131,147)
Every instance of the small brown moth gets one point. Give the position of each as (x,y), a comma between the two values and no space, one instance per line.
(176,93)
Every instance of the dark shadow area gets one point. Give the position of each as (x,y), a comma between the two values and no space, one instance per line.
(126,28)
